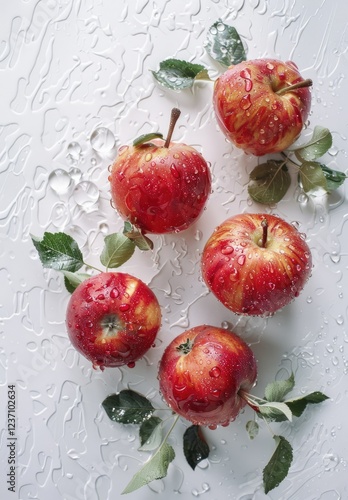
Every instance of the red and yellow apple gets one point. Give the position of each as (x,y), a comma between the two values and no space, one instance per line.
(160,186)
(261,105)
(255,264)
(201,373)
(113,319)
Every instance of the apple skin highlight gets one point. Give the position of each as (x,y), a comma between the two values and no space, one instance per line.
(250,279)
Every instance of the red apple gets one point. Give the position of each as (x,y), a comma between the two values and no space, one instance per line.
(201,373)
(113,319)
(256,264)
(261,105)
(160,186)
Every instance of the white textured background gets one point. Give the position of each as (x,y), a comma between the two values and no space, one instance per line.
(69,67)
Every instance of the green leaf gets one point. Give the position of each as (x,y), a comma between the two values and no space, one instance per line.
(275,411)
(278,467)
(253,428)
(224,44)
(134,234)
(317,146)
(196,448)
(59,251)
(312,178)
(146,138)
(155,468)
(150,434)
(128,407)
(269,182)
(72,280)
(278,389)
(298,405)
(178,75)
(117,250)
(334,178)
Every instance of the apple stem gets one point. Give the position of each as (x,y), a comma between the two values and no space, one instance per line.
(264,225)
(249,400)
(173,119)
(304,83)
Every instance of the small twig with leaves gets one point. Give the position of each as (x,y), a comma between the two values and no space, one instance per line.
(130,407)
(269,181)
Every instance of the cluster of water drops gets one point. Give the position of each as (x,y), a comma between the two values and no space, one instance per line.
(73,181)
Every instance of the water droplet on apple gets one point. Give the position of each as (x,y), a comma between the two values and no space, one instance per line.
(102,140)
(246,74)
(123,149)
(174,171)
(124,307)
(234,274)
(131,364)
(241,260)
(269,66)
(114,293)
(180,388)
(215,372)
(227,250)
(245,102)
(101,296)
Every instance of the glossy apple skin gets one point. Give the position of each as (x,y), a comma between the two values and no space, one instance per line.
(159,189)
(251,114)
(113,319)
(251,280)
(202,385)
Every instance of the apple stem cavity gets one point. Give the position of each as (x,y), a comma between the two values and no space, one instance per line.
(186,347)
(173,119)
(300,85)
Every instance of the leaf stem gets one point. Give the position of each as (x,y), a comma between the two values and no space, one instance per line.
(170,430)
(95,268)
(250,400)
(173,119)
(304,83)
(287,159)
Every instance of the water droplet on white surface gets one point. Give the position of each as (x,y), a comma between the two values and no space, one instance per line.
(330,461)
(102,140)
(60,215)
(86,194)
(75,174)
(198,235)
(59,181)
(104,228)
(74,150)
